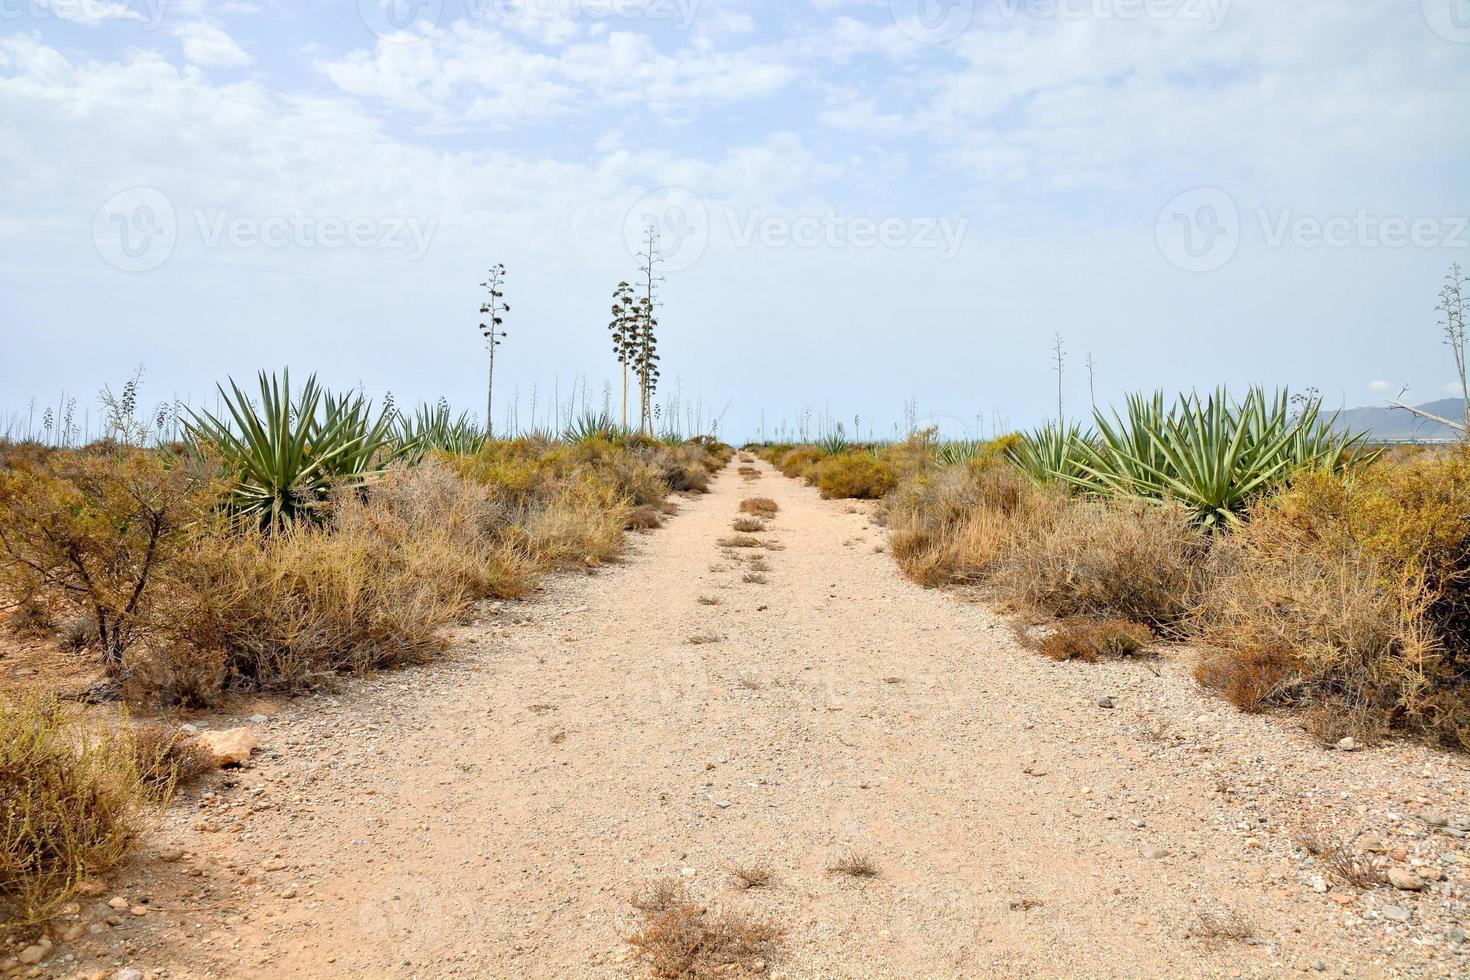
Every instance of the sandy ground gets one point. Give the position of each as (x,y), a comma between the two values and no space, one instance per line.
(492,814)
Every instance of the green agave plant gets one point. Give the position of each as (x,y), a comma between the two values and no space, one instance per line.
(1051,453)
(288,454)
(432,429)
(1213,455)
(835,443)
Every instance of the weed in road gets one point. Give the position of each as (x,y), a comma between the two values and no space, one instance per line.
(854,864)
(763,506)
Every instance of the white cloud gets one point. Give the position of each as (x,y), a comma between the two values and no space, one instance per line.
(207,45)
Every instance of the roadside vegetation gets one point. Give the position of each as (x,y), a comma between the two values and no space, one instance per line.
(1307,570)
(293,535)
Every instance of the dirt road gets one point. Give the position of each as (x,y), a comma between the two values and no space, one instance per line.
(492,814)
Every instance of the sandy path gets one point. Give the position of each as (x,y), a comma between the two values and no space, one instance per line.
(492,814)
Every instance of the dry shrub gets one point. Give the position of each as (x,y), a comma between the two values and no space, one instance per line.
(749,525)
(287,609)
(960,523)
(1355,584)
(739,541)
(748,876)
(857,475)
(799,462)
(854,864)
(166,759)
(87,532)
(753,578)
(760,506)
(1136,561)
(680,937)
(1091,640)
(73,803)
(1249,679)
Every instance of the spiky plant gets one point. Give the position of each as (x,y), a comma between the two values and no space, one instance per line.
(834,443)
(286,455)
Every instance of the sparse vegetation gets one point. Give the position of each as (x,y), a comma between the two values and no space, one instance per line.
(682,937)
(760,506)
(854,864)
(74,802)
(1091,640)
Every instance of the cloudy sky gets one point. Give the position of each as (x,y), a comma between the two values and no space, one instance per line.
(872,208)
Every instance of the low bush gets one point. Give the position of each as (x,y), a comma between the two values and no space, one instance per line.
(73,803)
(959,523)
(1138,561)
(760,506)
(1090,640)
(84,534)
(858,476)
(1347,592)
(799,462)
(683,937)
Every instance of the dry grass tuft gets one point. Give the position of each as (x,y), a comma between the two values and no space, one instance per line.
(1090,640)
(758,565)
(748,876)
(704,639)
(1134,561)
(682,938)
(739,541)
(165,759)
(749,525)
(754,578)
(854,864)
(73,802)
(1221,925)
(761,506)
(708,600)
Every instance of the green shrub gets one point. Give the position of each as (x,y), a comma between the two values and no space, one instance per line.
(860,476)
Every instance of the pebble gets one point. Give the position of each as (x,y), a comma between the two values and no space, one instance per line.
(32,955)
(118,902)
(1405,880)
(1348,745)
(1156,853)
(1105,703)
(1396,913)
(128,974)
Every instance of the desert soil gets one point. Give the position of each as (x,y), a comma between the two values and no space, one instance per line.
(492,814)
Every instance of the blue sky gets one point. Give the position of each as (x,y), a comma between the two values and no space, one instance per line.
(864,202)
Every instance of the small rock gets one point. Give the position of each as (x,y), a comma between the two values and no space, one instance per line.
(229,748)
(118,902)
(1348,745)
(1456,936)
(1156,853)
(91,888)
(1434,819)
(1105,703)
(128,974)
(1431,874)
(259,719)
(1396,913)
(139,910)
(32,955)
(1405,880)
(70,932)
(1319,966)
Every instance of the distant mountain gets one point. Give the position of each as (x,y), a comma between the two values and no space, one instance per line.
(1396,425)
